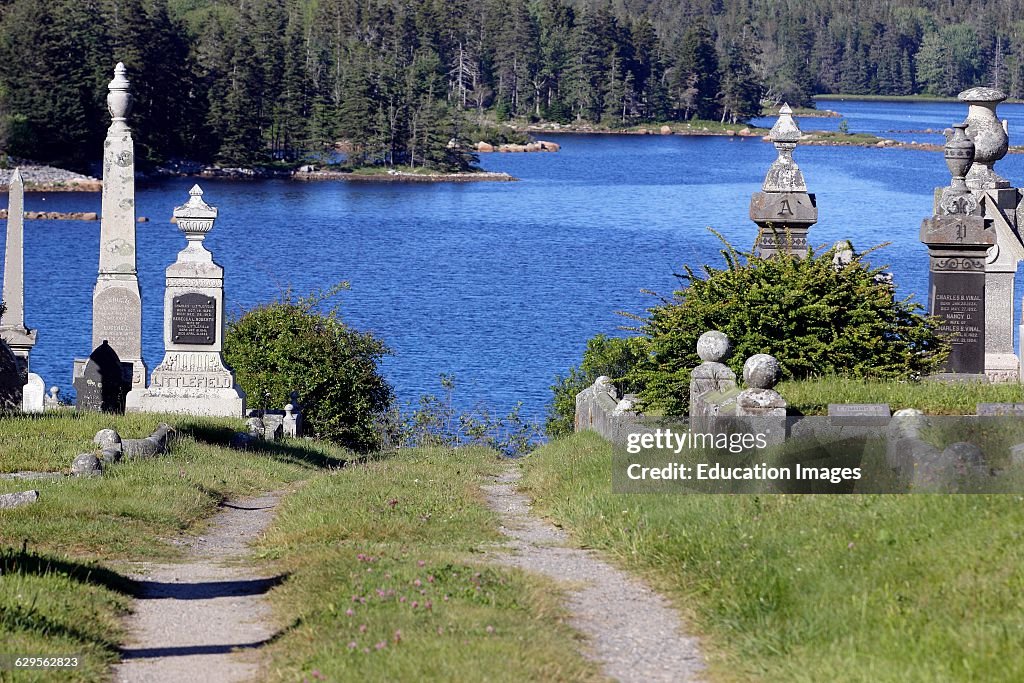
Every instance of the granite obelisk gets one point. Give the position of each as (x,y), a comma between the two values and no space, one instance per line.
(12,323)
(116,300)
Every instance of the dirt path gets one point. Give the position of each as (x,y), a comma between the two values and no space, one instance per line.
(192,616)
(633,632)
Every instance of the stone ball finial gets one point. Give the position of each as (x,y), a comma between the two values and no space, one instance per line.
(714,346)
(86,465)
(119,99)
(761,371)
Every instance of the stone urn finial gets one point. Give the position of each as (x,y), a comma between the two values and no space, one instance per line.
(959,154)
(988,135)
(195,218)
(119,97)
(784,175)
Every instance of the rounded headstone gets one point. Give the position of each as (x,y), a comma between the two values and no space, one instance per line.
(714,346)
(85,465)
(107,439)
(761,371)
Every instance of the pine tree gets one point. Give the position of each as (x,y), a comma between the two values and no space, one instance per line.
(697,80)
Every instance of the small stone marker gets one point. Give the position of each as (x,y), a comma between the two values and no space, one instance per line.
(34,394)
(14,500)
(192,378)
(102,385)
(859,414)
(86,465)
(1000,409)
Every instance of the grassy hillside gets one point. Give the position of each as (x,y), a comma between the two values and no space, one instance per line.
(812,588)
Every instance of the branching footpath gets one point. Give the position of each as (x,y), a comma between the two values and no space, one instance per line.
(633,633)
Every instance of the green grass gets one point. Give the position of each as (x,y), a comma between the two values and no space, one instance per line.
(57,598)
(811,397)
(812,588)
(385,540)
(137,506)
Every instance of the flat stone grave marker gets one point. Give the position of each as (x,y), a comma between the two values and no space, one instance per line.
(1000,409)
(859,414)
(102,386)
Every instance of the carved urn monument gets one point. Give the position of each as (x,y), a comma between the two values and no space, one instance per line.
(958,240)
(1001,205)
(193,378)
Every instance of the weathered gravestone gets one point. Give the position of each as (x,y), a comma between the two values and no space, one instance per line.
(958,239)
(783,210)
(711,378)
(859,414)
(102,386)
(116,300)
(192,378)
(1000,409)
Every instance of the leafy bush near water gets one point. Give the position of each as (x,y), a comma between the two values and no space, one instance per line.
(290,345)
(817,318)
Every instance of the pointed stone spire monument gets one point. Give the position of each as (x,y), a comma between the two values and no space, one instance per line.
(21,388)
(12,323)
(783,210)
(116,301)
(192,378)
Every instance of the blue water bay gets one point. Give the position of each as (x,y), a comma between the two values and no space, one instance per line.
(499,284)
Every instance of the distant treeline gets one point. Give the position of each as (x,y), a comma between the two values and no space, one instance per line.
(255,81)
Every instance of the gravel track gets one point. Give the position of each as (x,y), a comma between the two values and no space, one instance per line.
(631,630)
(202,619)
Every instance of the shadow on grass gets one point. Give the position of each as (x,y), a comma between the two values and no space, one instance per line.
(17,618)
(13,562)
(217,435)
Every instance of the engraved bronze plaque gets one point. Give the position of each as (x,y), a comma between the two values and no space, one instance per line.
(194,319)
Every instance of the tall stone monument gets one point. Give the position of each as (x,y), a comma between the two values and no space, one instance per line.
(783,210)
(116,301)
(1001,204)
(958,239)
(192,378)
(12,323)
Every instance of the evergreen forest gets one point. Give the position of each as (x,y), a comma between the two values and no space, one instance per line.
(411,82)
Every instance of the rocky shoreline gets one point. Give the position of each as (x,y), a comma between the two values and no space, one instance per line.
(393,176)
(39,178)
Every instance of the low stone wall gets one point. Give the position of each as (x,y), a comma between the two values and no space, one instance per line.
(599,408)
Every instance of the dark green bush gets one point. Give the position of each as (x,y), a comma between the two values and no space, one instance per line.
(290,345)
(614,357)
(817,319)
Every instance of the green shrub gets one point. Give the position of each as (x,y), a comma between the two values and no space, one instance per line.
(817,319)
(289,345)
(614,357)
